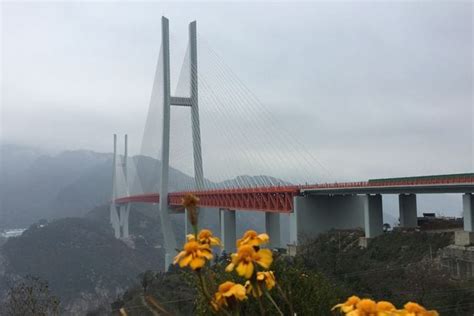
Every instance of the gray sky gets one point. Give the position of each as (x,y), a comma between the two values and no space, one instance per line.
(372,89)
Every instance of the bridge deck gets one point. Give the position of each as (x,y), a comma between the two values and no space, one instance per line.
(280,198)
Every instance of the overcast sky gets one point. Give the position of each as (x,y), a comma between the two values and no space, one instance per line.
(371,89)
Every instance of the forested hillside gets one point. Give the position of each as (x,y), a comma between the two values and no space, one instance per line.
(397,266)
(80,258)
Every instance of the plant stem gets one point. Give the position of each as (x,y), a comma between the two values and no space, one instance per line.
(285,297)
(260,305)
(195,229)
(273,302)
(206,293)
(203,286)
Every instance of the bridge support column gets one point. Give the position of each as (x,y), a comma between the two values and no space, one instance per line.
(309,218)
(124,214)
(408,213)
(315,214)
(373,216)
(114,220)
(466,237)
(166,228)
(468,212)
(272,228)
(228,230)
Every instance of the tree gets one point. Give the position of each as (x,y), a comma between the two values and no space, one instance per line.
(31,296)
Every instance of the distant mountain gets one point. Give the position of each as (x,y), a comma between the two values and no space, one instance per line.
(30,181)
(81,259)
(15,159)
(251,181)
(36,186)
(83,262)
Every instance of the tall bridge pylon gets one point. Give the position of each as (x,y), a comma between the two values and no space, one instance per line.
(119,213)
(168,101)
(161,94)
(312,208)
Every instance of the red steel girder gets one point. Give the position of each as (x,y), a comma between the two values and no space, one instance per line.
(276,199)
(267,199)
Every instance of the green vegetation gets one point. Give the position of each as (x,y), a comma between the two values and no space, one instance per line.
(79,258)
(397,266)
(30,296)
(175,291)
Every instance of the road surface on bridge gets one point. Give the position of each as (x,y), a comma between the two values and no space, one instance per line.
(280,198)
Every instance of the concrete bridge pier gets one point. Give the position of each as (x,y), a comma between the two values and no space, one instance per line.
(124,214)
(114,220)
(315,214)
(309,217)
(272,228)
(373,218)
(228,230)
(373,215)
(466,237)
(408,210)
(468,212)
(459,258)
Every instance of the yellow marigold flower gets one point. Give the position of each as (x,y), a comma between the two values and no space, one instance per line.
(264,279)
(205,237)
(253,239)
(414,309)
(348,305)
(256,292)
(246,257)
(227,294)
(354,306)
(385,308)
(364,307)
(268,277)
(194,255)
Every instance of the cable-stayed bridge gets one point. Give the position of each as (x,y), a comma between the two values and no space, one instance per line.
(213,105)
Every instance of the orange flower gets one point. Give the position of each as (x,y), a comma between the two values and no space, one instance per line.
(253,239)
(194,255)
(348,305)
(246,257)
(364,307)
(354,306)
(205,236)
(227,294)
(414,309)
(385,308)
(264,279)
(268,278)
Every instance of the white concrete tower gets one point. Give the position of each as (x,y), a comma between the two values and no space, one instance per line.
(166,229)
(196,129)
(125,208)
(114,219)
(168,101)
